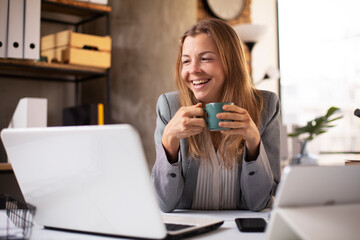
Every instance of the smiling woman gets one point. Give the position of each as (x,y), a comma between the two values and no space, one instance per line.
(236,168)
(202,70)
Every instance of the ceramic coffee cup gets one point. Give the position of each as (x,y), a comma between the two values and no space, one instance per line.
(212,122)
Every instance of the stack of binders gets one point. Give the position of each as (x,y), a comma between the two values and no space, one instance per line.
(20,29)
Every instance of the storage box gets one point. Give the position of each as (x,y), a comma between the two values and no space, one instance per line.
(77,48)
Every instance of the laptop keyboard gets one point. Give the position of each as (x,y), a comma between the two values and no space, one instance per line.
(175,227)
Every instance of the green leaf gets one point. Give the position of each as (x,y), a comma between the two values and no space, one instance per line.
(317,126)
(331,111)
(335,119)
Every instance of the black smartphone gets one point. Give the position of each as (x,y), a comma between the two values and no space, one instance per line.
(251,224)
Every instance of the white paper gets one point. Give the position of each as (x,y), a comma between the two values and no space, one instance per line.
(8,228)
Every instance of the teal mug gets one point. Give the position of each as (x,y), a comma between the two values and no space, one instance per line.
(212,122)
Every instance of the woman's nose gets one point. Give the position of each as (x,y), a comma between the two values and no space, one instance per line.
(195,67)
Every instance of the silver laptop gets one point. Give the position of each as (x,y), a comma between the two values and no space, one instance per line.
(318,185)
(316,202)
(92,179)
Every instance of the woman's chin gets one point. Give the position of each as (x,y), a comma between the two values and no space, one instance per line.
(200,98)
(203,99)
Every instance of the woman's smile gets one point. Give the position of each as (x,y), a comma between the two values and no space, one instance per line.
(199,83)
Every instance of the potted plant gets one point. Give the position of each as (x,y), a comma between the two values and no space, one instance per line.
(312,129)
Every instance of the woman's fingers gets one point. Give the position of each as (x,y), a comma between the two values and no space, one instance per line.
(240,122)
(233,113)
(234,108)
(194,111)
(187,121)
(234,124)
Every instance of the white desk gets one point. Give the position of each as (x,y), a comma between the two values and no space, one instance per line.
(227,231)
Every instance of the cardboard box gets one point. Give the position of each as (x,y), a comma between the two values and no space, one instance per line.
(77,48)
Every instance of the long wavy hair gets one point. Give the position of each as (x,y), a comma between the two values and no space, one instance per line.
(238,87)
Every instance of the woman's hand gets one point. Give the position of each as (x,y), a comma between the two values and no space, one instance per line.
(243,125)
(187,122)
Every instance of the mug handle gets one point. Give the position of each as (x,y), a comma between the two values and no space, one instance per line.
(205,113)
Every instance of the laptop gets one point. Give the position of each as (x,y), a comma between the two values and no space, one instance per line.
(92,179)
(317,186)
(316,202)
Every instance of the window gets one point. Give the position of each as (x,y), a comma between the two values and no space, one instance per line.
(319,52)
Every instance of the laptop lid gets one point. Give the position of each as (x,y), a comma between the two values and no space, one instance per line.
(318,185)
(316,202)
(88,178)
(93,179)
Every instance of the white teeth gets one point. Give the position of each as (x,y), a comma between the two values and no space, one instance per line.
(196,82)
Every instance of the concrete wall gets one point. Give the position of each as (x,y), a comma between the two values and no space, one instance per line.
(145,37)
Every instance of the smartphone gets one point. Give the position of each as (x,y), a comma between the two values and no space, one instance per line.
(251,224)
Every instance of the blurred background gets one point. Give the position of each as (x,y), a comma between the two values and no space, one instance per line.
(308,52)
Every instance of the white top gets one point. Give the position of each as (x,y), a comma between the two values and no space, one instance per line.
(216,184)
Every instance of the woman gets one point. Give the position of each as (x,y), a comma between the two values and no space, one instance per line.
(230,169)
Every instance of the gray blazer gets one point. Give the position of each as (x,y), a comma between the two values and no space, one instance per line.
(175,183)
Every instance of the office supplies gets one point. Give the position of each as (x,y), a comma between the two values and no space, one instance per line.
(30,112)
(3,27)
(317,202)
(88,114)
(92,179)
(16,218)
(15,44)
(32,29)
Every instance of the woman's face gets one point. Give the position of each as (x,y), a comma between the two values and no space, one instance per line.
(202,70)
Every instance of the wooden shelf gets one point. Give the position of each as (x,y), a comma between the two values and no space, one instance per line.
(73,12)
(63,12)
(52,71)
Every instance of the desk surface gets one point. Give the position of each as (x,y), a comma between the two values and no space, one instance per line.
(227,231)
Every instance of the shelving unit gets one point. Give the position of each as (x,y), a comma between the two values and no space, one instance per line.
(62,12)
(86,12)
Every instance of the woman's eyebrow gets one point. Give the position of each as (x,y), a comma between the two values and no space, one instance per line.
(202,53)
(205,52)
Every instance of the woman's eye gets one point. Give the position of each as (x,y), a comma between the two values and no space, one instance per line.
(185,61)
(205,59)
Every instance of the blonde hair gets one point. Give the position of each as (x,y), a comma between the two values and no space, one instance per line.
(238,87)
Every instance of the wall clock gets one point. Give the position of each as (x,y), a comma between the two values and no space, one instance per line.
(225,9)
